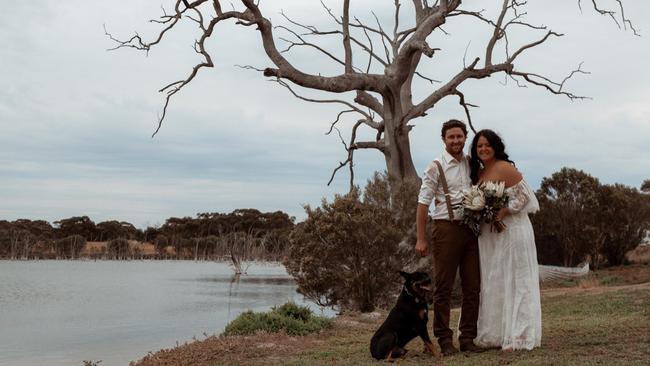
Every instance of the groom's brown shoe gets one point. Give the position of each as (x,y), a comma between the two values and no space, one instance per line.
(471,347)
(448,349)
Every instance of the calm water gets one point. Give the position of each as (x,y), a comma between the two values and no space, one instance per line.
(64,312)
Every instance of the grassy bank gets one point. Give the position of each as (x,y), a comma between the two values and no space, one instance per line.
(596,321)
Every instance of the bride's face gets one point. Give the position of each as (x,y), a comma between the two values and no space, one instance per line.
(484,151)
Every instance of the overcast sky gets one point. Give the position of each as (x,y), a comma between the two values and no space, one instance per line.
(76,120)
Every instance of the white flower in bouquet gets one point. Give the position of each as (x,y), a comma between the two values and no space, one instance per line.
(474,199)
(501,188)
(494,189)
(473,207)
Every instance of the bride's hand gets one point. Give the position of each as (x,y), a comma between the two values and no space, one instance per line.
(502,213)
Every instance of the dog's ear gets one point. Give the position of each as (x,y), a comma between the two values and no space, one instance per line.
(406,275)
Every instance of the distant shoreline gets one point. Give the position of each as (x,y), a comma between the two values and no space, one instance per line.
(98,250)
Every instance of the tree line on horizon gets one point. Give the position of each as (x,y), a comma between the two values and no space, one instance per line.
(580,220)
(209,235)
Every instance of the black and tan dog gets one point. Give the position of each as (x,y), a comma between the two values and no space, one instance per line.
(405,321)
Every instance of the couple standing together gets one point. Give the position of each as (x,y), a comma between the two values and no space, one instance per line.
(498,270)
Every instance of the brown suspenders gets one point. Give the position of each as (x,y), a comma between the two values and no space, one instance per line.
(445,189)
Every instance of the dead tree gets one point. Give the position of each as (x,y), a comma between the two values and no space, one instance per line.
(377,63)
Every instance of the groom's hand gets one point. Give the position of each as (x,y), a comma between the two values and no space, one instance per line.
(421,247)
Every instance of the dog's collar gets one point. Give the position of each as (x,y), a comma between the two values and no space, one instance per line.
(417,300)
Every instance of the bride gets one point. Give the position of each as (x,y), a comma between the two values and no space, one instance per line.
(510,314)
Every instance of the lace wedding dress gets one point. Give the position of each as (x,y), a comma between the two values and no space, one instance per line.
(510,313)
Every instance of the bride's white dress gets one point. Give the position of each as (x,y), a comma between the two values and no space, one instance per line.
(510,314)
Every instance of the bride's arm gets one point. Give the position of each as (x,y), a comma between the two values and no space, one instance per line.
(508,173)
(512,177)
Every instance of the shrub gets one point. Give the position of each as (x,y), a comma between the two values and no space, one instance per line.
(290,317)
(295,311)
(344,253)
(347,252)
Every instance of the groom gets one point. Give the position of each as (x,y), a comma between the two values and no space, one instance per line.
(454,244)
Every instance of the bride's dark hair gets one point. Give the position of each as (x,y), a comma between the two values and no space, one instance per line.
(497,145)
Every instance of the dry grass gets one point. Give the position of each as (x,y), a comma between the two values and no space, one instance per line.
(589,282)
(588,324)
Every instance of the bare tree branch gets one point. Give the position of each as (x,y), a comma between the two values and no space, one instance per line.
(346,36)
(137,42)
(303,42)
(533,44)
(312,30)
(347,161)
(449,88)
(427,79)
(497,34)
(396,26)
(338,117)
(552,86)
(466,106)
(358,24)
(367,100)
(350,148)
(383,38)
(612,14)
(339,101)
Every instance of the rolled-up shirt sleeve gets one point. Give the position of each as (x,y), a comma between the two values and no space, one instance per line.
(429,184)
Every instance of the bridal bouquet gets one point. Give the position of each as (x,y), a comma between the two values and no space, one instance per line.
(481,204)
(495,200)
(473,206)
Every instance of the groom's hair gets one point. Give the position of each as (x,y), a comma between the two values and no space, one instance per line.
(452,123)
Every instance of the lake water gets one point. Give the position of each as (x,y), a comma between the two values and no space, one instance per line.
(64,312)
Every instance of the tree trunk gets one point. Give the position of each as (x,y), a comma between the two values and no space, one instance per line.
(403,177)
(397,152)
(399,162)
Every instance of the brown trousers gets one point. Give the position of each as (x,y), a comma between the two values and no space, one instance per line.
(455,248)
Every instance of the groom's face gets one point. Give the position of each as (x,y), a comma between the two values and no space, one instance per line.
(454,140)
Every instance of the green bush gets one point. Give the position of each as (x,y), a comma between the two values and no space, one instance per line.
(346,253)
(291,318)
(295,311)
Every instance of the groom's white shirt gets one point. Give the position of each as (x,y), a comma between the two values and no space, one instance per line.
(457,175)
